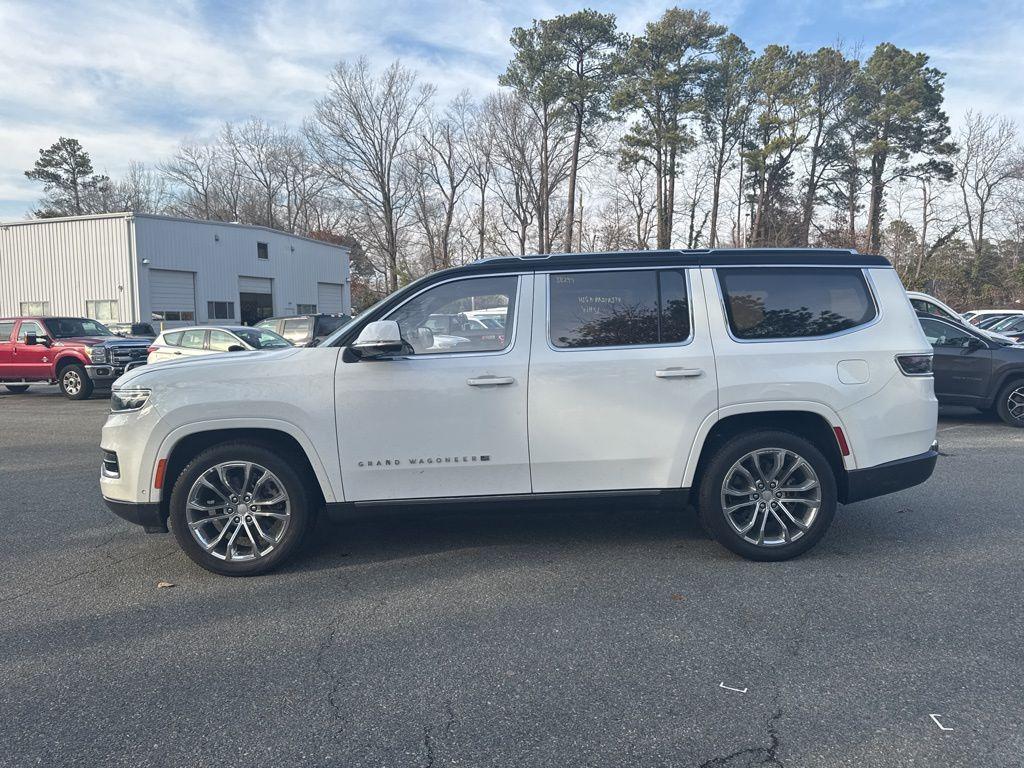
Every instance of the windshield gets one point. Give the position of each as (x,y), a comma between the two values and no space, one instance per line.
(260,338)
(71,327)
(1009,324)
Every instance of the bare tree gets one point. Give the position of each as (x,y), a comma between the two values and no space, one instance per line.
(363,132)
(988,157)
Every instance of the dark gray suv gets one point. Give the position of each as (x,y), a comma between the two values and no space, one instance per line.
(974,369)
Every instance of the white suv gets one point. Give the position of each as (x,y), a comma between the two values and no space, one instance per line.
(764,386)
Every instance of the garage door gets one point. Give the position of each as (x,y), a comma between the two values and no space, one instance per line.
(172,295)
(254,284)
(329,298)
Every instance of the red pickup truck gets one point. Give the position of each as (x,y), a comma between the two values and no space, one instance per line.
(76,353)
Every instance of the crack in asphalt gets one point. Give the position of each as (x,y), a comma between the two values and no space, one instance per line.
(769,754)
(331,672)
(428,741)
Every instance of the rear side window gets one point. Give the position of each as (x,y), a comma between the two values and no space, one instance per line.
(618,308)
(794,302)
(193,339)
(173,339)
(297,330)
(6,329)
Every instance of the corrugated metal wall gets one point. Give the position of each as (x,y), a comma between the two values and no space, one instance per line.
(221,255)
(66,263)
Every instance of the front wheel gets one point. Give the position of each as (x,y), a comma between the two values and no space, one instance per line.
(240,509)
(1010,404)
(768,495)
(74,382)
(16,389)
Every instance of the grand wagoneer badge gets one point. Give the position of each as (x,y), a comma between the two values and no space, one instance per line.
(384,463)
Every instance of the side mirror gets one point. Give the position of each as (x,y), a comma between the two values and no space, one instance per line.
(32,339)
(379,339)
(236,348)
(975,344)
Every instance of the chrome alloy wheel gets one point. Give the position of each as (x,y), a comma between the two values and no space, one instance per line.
(72,382)
(771,497)
(1015,403)
(237,511)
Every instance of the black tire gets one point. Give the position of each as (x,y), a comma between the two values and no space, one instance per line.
(74,382)
(16,389)
(1002,407)
(296,484)
(721,463)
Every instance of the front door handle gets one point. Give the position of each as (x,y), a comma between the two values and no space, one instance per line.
(490,381)
(679,373)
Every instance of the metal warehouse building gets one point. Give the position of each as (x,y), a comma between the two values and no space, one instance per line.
(125,267)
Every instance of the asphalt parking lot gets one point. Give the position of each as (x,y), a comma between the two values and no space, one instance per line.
(605,637)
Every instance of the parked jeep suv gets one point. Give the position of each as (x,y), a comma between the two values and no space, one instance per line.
(764,386)
(76,353)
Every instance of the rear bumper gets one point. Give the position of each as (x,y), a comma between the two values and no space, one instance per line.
(147,515)
(890,477)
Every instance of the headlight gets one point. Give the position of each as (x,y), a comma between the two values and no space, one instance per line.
(122,400)
(98,354)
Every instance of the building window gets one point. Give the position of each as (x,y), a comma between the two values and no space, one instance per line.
(262,252)
(220,310)
(35,308)
(104,310)
(174,317)
(305,309)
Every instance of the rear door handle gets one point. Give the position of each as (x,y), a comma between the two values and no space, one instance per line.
(679,373)
(490,381)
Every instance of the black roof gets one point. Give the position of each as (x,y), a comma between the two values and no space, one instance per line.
(716,257)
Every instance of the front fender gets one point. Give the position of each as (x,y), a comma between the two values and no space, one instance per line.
(329,484)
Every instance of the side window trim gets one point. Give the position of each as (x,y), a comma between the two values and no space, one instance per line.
(687,271)
(517,313)
(872,293)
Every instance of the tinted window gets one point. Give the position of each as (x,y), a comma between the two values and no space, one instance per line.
(794,302)
(419,317)
(613,309)
(6,329)
(326,325)
(193,339)
(944,334)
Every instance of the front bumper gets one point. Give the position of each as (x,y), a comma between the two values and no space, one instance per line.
(148,515)
(101,372)
(890,477)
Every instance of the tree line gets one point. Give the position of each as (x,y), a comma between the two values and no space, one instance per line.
(682,136)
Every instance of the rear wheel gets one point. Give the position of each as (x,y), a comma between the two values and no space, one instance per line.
(1010,403)
(240,509)
(74,382)
(16,389)
(768,495)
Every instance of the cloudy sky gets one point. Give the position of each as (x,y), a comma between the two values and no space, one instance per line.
(130,80)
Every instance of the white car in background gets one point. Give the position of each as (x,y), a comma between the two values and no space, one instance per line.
(975,316)
(929,305)
(189,342)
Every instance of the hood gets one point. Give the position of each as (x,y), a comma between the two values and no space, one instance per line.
(196,368)
(93,341)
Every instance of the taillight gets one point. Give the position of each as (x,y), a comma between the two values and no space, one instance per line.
(150,350)
(915,365)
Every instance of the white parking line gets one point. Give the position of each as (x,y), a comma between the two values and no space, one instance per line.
(723,685)
(941,726)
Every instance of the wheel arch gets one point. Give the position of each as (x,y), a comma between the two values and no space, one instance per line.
(1004,378)
(810,423)
(182,445)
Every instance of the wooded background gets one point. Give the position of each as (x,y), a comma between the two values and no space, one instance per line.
(594,140)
